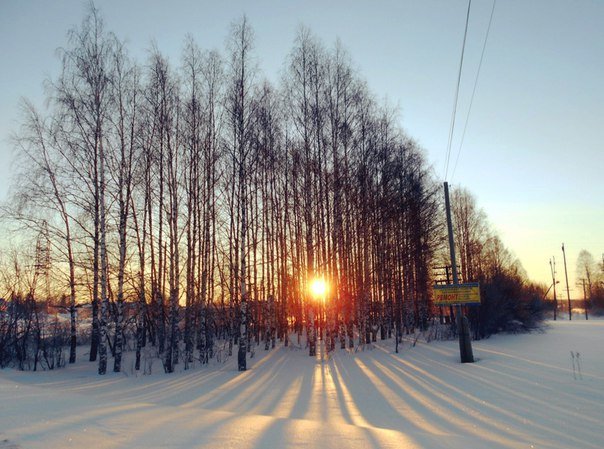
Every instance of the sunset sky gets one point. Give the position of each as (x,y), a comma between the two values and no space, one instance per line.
(533,153)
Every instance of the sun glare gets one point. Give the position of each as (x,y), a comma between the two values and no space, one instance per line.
(318,288)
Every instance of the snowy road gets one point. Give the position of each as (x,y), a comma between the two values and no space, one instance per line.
(521,393)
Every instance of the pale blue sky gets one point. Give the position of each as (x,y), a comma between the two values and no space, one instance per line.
(533,152)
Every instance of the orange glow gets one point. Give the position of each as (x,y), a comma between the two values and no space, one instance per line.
(318,288)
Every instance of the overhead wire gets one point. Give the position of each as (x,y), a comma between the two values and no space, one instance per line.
(484,46)
(463,48)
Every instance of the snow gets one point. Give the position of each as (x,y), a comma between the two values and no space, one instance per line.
(521,393)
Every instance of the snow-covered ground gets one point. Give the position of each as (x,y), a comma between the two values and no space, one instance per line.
(522,393)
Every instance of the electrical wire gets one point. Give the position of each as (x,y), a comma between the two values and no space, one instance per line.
(463,49)
(484,46)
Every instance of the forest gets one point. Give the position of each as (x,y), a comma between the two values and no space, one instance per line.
(185,208)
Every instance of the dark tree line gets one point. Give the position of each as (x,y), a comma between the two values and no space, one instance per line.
(509,302)
(192,203)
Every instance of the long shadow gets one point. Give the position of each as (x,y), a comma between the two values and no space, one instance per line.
(375,405)
(264,393)
(431,390)
(243,389)
(230,384)
(440,406)
(80,417)
(520,387)
(303,433)
(344,398)
(495,410)
(302,402)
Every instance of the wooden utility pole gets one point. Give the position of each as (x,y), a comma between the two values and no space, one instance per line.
(463,327)
(584,298)
(552,265)
(570,312)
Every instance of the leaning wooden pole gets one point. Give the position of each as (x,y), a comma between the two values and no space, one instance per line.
(570,309)
(463,327)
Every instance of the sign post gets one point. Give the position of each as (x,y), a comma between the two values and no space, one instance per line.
(452,295)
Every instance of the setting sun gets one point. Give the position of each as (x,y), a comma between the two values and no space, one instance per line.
(318,287)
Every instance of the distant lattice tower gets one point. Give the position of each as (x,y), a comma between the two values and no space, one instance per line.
(42,264)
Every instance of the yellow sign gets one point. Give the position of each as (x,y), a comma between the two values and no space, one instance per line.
(448,295)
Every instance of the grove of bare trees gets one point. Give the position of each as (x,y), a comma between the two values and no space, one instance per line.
(184,204)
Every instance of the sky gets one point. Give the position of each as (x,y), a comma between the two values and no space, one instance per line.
(533,151)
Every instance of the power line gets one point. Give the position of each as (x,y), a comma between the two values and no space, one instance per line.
(484,46)
(463,48)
